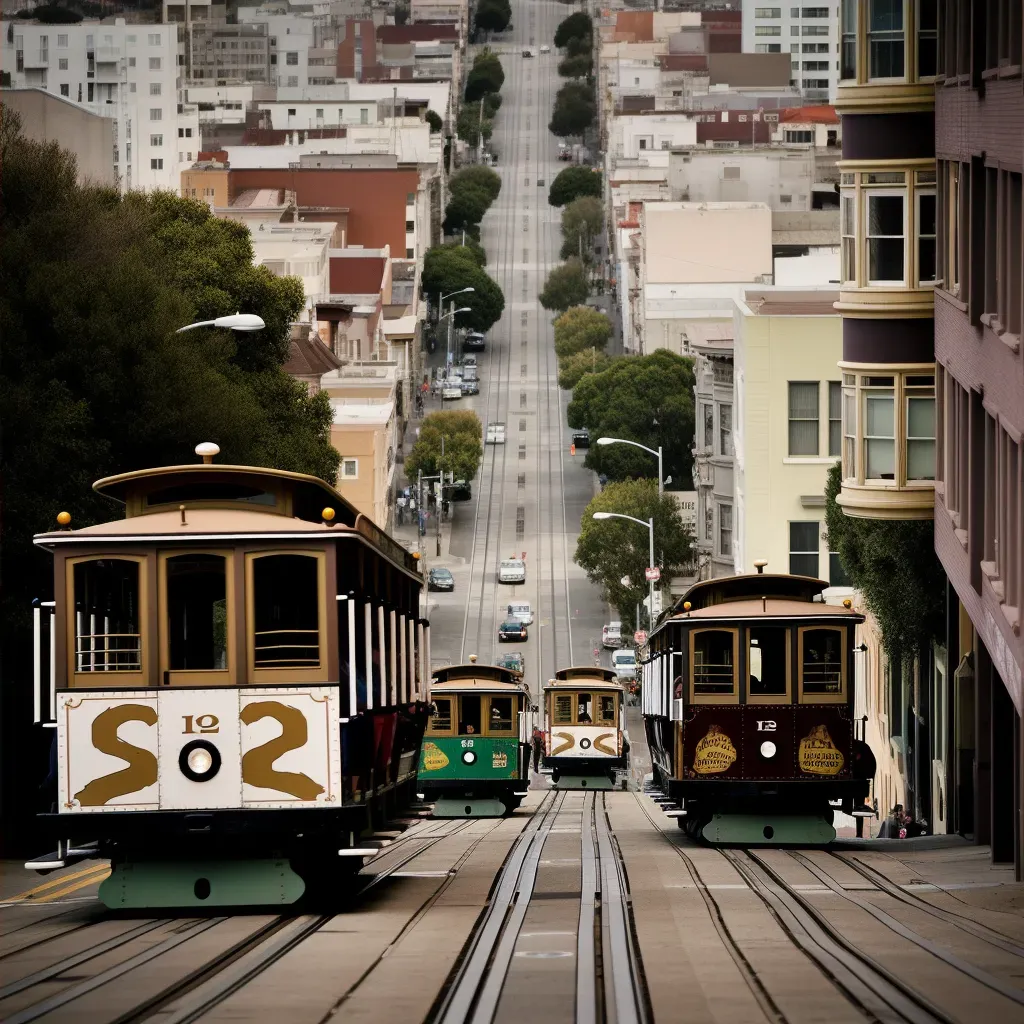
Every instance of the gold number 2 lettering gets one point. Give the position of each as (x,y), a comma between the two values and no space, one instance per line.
(258,763)
(142,767)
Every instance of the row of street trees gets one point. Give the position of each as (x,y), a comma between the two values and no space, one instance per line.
(449,442)
(581,336)
(575,104)
(492,16)
(483,98)
(450,268)
(471,193)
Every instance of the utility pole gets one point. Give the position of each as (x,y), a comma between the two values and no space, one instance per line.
(480,133)
(419,511)
(650,583)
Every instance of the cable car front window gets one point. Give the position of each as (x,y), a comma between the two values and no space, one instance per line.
(197,612)
(106,605)
(441,720)
(501,715)
(469,721)
(583,716)
(821,662)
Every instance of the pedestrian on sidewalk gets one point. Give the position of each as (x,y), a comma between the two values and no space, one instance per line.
(538,746)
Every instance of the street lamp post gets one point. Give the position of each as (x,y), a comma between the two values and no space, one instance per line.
(649,523)
(450,317)
(235,322)
(440,306)
(636,444)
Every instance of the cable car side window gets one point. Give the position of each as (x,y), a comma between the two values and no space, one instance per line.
(501,720)
(713,669)
(768,668)
(441,720)
(105,618)
(583,705)
(563,709)
(822,657)
(606,709)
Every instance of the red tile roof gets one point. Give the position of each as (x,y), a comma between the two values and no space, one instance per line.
(823,114)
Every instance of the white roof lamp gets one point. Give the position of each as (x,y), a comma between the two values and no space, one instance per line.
(234,322)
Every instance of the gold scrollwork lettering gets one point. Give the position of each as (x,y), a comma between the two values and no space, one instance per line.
(142,765)
(568,741)
(258,763)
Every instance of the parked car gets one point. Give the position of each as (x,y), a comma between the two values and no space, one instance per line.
(545,48)
(462,490)
(512,570)
(527,53)
(514,661)
(581,438)
(440,579)
(469,372)
(474,342)
(512,630)
(495,433)
(470,387)
(521,612)
(469,360)
(624,664)
(450,392)
(611,635)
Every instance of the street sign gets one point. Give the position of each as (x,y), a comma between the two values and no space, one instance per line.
(653,574)
(640,637)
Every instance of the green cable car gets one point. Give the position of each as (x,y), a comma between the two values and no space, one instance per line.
(475,759)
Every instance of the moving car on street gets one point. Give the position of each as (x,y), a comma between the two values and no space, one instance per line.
(462,490)
(451,392)
(470,387)
(510,630)
(440,579)
(581,438)
(624,664)
(521,612)
(611,635)
(495,433)
(512,570)
(475,342)
(514,661)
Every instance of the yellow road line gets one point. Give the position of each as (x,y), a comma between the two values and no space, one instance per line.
(54,882)
(75,886)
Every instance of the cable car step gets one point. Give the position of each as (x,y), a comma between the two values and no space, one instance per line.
(62,857)
(769,830)
(228,883)
(468,807)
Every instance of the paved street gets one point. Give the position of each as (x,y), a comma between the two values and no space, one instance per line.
(530,493)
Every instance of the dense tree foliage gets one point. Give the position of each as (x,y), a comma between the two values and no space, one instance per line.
(433,118)
(469,127)
(472,192)
(578,66)
(579,46)
(576,26)
(492,15)
(486,75)
(893,563)
(575,110)
(567,285)
(572,368)
(461,432)
(572,183)
(580,329)
(582,224)
(478,176)
(95,381)
(648,399)
(610,550)
(447,268)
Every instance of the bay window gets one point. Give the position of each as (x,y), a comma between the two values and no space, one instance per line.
(925,232)
(848,229)
(886,47)
(885,233)
(848,47)
(889,426)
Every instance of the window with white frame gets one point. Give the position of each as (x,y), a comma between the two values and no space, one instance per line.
(803,418)
(349,469)
(156,114)
(154,38)
(156,165)
(927,40)
(156,140)
(708,418)
(62,41)
(767,30)
(885,228)
(879,405)
(154,89)
(767,12)
(292,58)
(65,90)
(154,63)
(725,530)
(924,228)
(725,429)
(835,417)
(886,57)
(62,63)
(952,254)
(803,548)
(919,395)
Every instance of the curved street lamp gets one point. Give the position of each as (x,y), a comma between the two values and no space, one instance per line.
(451,314)
(649,524)
(637,444)
(234,322)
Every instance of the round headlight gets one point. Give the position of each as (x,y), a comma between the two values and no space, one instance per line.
(468,757)
(199,761)
(768,749)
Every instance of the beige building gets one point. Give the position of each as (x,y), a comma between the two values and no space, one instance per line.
(365,435)
(49,118)
(786,429)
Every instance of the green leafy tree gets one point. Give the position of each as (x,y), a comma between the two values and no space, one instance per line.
(433,118)
(466,208)
(493,15)
(492,104)
(572,368)
(471,250)
(580,329)
(461,433)
(893,563)
(479,177)
(469,127)
(572,183)
(648,399)
(579,66)
(447,269)
(576,26)
(567,285)
(486,75)
(94,379)
(610,550)
(579,46)
(582,224)
(575,110)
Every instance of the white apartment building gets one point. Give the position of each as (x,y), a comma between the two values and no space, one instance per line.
(781,177)
(128,73)
(809,33)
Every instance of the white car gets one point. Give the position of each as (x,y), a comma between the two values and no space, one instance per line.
(624,664)
(450,392)
(495,433)
(545,49)
(611,635)
(512,570)
(521,612)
